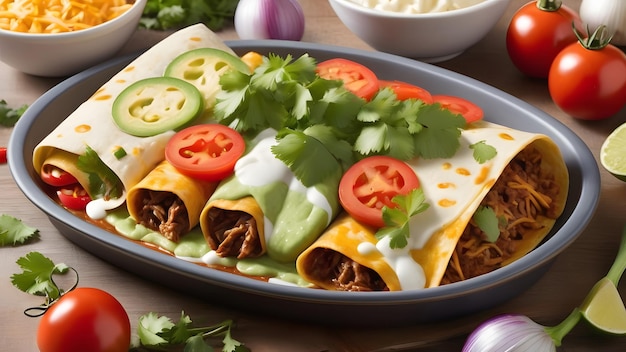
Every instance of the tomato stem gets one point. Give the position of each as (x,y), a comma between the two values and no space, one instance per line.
(549,5)
(597,40)
(51,297)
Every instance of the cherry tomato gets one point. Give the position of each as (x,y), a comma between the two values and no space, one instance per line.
(3,155)
(470,111)
(371,183)
(84,319)
(406,91)
(73,197)
(207,152)
(538,31)
(357,78)
(56,177)
(588,80)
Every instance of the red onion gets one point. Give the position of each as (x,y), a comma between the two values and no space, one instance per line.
(269,19)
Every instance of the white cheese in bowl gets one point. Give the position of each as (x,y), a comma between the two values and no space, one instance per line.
(416,6)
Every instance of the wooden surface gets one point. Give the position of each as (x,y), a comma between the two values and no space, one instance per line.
(547,302)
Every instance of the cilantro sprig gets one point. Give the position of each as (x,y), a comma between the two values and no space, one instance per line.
(397,218)
(483,152)
(312,114)
(14,232)
(36,276)
(172,14)
(157,332)
(8,115)
(102,180)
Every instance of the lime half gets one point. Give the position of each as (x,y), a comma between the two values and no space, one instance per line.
(613,153)
(604,309)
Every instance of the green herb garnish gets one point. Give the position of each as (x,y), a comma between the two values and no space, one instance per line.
(173,14)
(119,153)
(488,222)
(159,332)
(397,219)
(483,152)
(36,277)
(14,232)
(103,182)
(8,115)
(312,114)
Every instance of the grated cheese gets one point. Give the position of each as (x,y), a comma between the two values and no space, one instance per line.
(56,16)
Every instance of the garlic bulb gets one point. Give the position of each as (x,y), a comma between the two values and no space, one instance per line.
(611,13)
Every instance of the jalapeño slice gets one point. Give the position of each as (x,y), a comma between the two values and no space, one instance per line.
(154,105)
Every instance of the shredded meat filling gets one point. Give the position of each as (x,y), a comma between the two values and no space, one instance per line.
(234,234)
(344,273)
(165,213)
(520,195)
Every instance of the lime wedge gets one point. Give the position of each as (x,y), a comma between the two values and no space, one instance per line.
(604,309)
(613,153)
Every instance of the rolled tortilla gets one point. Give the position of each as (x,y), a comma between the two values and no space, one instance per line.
(288,216)
(456,188)
(168,202)
(91,124)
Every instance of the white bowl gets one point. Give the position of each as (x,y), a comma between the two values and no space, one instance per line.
(63,54)
(429,37)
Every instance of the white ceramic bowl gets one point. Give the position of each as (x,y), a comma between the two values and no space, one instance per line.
(63,54)
(429,37)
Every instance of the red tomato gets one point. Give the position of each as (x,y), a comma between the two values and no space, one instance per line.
(73,197)
(84,319)
(207,152)
(3,155)
(371,183)
(56,177)
(357,78)
(537,32)
(589,83)
(470,111)
(406,91)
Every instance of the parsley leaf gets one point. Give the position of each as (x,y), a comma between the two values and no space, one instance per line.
(483,152)
(160,332)
(487,220)
(8,115)
(102,181)
(440,136)
(14,232)
(36,278)
(397,219)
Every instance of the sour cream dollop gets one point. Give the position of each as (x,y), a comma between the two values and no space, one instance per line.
(416,6)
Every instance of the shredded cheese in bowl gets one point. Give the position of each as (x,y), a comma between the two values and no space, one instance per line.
(57,16)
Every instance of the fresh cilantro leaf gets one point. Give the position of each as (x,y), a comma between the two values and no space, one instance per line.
(8,115)
(483,152)
(103,182)
(314,155)
(36,277)
(397,219)
(487,220)
(440,136)
(159,332)
(173,14)
(14,232)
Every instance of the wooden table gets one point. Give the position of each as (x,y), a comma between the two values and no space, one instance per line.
(547,302)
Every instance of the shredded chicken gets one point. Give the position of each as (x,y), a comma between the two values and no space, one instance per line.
(522,193)
(165,213)
(234,234)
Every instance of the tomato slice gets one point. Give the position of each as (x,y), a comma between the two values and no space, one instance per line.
(73,197)
(207,152)
(406,91)
(56,177)
(470,111)
(357,78)
(371,183)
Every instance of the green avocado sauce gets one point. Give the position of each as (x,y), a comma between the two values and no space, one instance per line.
(192,247)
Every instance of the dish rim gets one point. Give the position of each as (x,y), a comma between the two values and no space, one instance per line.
(559,240)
